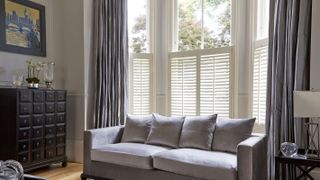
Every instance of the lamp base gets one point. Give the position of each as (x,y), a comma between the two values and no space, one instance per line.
(313,140)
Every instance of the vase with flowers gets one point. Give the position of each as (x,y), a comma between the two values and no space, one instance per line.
(34,69)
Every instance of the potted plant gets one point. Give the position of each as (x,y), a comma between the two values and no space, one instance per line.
(34,69)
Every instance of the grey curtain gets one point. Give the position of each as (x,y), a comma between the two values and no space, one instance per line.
(289,47)
(111,61)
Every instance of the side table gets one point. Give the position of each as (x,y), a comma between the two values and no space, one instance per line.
(304,165)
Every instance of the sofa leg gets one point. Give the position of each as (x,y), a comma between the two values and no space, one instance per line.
(83,177)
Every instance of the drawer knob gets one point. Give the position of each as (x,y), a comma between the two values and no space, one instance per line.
(24,147)
(24,108)
(24,159)
(37,144)
(24,134)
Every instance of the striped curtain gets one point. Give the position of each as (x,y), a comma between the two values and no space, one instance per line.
(111,62)
(288,70)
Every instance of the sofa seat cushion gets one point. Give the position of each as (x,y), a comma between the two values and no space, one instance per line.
(127,154)
(197,163)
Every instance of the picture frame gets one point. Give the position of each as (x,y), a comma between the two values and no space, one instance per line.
(23,27)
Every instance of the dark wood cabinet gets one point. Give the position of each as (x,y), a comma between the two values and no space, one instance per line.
(33,126)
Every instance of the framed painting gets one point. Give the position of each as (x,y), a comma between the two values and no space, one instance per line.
(22,27)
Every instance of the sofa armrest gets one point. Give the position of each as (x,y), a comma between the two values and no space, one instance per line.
(96,138)
(252,158)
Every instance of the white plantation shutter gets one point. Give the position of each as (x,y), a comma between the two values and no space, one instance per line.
(215,84)
(199,82)
(183,85)
(259,91)
(140,84)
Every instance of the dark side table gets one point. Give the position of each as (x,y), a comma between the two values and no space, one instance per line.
(304,165)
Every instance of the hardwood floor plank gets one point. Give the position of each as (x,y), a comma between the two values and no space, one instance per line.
(57,172)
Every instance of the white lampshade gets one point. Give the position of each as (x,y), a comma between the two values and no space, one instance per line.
(306,104)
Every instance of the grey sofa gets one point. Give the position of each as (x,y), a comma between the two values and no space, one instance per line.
(106,157)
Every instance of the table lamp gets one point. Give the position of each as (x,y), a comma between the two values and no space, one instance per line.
(307,105)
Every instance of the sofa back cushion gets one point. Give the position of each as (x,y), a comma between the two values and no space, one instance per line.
(197,132)
(165,131)
(137,128)
(230,132)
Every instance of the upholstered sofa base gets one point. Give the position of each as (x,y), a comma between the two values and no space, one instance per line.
(106,171)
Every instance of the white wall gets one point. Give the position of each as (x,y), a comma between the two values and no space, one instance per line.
(73,22)
(11,63)
(315,44)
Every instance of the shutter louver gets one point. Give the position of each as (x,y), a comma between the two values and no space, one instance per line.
(200,82)
(260,69)
(215,84)
(183,86)
(140,84)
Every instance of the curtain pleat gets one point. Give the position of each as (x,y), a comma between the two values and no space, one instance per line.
(289,64)
(111,60)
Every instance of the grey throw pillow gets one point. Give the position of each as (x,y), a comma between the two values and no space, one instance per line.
(137,128)
(165,131)
(230,132)
(197,132)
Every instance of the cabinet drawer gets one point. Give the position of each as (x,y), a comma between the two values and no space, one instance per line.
(24,121)
(38,108)
(50,142)
(24,133)
(50,130)
(23,146)
(37,155)
(60,129)
(60,140)
(37,120)
(49,107)
(25,95)
(60,151)
(50,96)
(50,119)
(37,132)
(37,144)
(23,158)
(25,108)
(61,107)
(61,118)
(50,153)
(38,96)
(61,95)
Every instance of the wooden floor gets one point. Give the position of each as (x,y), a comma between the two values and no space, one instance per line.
(56,172)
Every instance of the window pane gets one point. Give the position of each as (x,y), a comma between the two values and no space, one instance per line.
(137,26)
(190,26)
(262,19)
(217,23)
(204,24)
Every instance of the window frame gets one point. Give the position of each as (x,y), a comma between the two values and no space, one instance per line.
(150,30)
(254,43)
(173,45)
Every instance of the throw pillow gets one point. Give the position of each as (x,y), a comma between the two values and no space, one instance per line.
(230,132)
(137,128)
(165,131)
(197,132)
